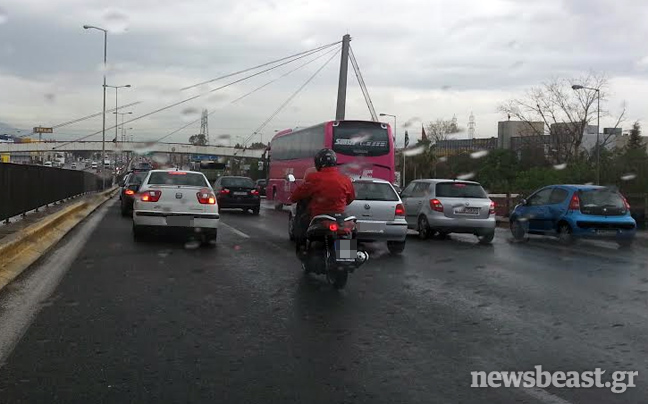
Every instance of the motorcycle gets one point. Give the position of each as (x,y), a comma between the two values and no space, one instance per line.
(331,245)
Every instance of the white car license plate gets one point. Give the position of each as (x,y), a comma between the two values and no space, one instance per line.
(240,193)
(365,227)
(467,211)
(346,250)
(185,221)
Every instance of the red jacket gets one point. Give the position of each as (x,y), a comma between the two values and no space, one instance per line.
(330,191)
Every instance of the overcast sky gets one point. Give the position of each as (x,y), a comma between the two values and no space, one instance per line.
(422,59)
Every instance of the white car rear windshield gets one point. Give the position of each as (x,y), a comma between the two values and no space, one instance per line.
(460,190)
(370,191)
(177,178)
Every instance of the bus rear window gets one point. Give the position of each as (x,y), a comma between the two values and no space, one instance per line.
(360,139)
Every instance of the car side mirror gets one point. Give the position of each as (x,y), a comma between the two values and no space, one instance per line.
(523,202)
(290,178)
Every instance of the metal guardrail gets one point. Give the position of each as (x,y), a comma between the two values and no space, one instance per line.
(24,188)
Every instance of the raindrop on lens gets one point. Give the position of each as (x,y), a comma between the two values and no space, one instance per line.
(479,154)
(192,244)
(3,16)
(415,151)
(629,177)
(51,98)
(116,22)
(560,166)
(466,176)
(160,158)
(190,114)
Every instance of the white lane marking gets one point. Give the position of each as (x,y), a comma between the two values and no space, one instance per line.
(20,304)
(235,231)
(544,396)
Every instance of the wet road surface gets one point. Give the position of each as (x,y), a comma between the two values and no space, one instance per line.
(163,321)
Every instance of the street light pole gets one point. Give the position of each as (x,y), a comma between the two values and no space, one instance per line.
(598,128)
(103,129)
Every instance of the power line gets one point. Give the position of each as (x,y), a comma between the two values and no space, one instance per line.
(267,121)
(363,86)
(314,50)
(195,97)
(251,92)
(305,53)
(93,115)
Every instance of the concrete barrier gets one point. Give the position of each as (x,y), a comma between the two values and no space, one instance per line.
(20,250)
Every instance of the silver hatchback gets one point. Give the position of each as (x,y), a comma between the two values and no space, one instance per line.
(380,213)
(436,206)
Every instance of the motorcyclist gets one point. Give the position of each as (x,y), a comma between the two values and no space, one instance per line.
(327,190)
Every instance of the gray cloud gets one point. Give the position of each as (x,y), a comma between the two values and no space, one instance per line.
(412,54)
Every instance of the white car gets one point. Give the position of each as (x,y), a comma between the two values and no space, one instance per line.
(379,211)
(175,200)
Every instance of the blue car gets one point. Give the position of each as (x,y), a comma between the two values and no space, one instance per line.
(575,211)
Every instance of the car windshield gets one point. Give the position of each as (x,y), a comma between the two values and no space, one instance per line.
(237,182)
(601,198)
(460,190)
(371,191)
(177,178)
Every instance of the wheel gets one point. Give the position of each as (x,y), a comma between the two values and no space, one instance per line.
(423,228)
(517,230)
(565,234)
(442,235)
(256,211)
(625,242)
(138,235)
(210,240)
(338,279)
(291,227)
(396,247)
(486,238)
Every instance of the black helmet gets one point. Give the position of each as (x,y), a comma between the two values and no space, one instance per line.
(325,158)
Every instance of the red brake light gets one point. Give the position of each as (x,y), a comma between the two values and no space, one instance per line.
(254,192)
(492,208)
(129,192)
(574,204)
(625,202)
(151,196)
(333,227)
(400,210)
(225,191)
(206,197)
(177,173)
(436,205)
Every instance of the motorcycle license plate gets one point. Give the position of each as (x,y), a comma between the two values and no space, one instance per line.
(346,250)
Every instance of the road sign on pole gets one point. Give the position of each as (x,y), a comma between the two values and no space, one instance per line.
(39,129)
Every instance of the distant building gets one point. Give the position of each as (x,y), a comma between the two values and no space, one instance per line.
(507,130)
(451,147)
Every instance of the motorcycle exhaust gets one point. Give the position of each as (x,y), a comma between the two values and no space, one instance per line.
(361,258)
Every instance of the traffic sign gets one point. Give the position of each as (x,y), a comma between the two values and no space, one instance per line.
(39,129)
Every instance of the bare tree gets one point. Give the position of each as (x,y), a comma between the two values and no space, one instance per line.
(565,112)
(441,129)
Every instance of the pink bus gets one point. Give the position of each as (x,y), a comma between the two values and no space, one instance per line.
(363,148)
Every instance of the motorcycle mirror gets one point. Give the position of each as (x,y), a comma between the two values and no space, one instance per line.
(290,178)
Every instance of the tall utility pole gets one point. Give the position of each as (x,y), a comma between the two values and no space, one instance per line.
(342,85)
(204,125)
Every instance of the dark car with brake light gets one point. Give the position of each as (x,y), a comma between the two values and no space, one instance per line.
(237,193)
